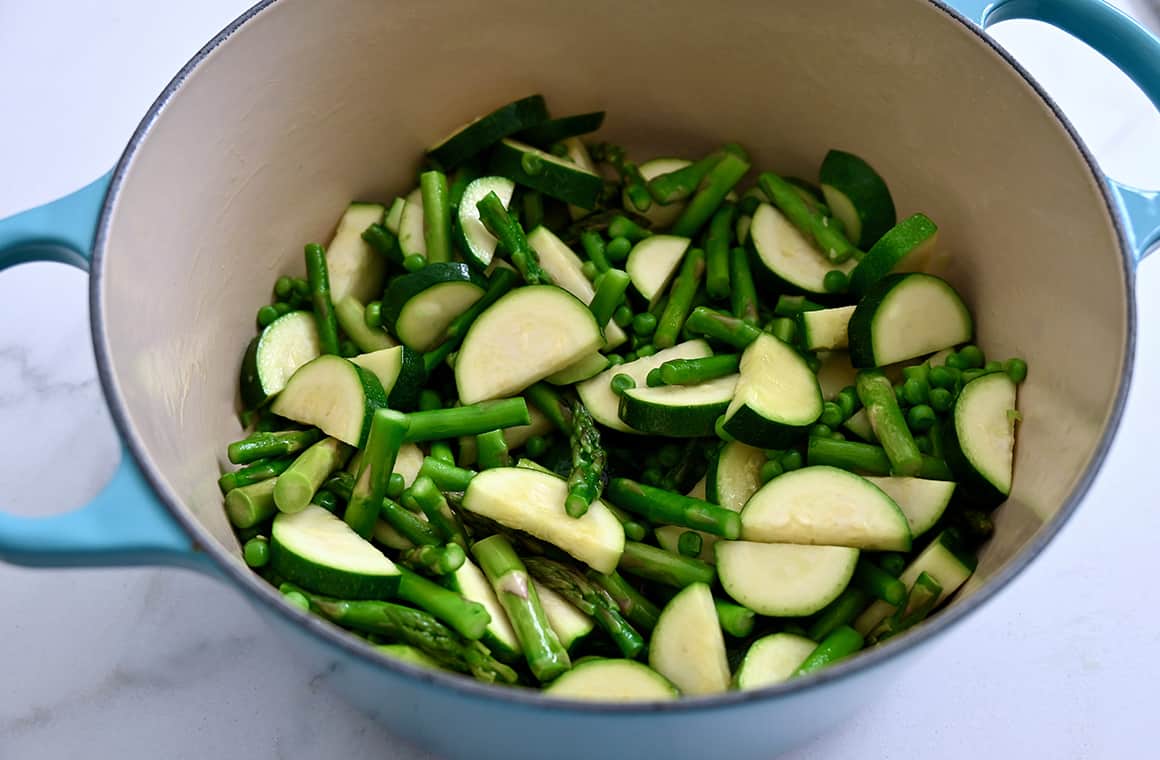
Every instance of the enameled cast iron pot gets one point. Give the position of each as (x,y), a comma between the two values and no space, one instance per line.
(299,106)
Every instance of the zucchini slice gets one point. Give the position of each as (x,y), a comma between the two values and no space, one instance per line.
(334,395)
(478,245)
(857,196)
(773,659)
(922,501)
(590,366)
(826,329)
(660,217)
(822,505)
(906,316)
(777,395)
(411,237)
(551,175)
(400,371)
(980,445)
(735,475)
(942,560)
(274,356)
(320,552)
(355,269)
(571,625)
(351,314)
(554,130)
(687,645)
(604,404)
(612,681)
(788,255)
(904,248)
(523,337)
(653,262)
(565,269)
(533,502)
(499,636)
(784,580)
(481,133)
(678,411)
(418,307)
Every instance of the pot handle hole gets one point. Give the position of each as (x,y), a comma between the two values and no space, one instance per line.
(1124,42)
(124,524)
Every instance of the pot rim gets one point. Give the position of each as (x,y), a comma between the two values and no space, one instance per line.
(463,686)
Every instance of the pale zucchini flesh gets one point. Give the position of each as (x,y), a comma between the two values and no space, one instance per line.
(772,660)
(687,646)
(653,262)
(922,501)
(334,395)
(939,562)
(784,580)
(353,268)
(788,254)
(612,681)
(735,475)
(320,552)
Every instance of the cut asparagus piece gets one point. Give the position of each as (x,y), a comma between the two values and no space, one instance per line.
(467,618)
(296,486)
(590,599)
(660,566)
(661,506)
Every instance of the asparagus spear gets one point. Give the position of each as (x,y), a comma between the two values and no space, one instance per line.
(415,628)
(319,280)
(682,183)
(722,327)
(689,544)
(447,477)
(467,618)
(388,428)
(635,607)
(434,560)
(744,292)
(262,445)
(717,276)
(545,398)
(590,599)
(297,484)
(622,226)
(512,238)
(384,242)
(492,450)
(839,612)
(735,620)
(254,473)
(609,295)
(436,215)
(680,302)
(546,656)
(697,371)
(792,306)
(249,505)
(842,642)
(878,583)
(594,247)
(923,597)
(877,395)
(634,183)
(439,513)
(473,419)
(867,458)
(661,506)
(718,182)
(428,401)
(501,281)
(660,566)
(827,235)
(588,475)
(408,524)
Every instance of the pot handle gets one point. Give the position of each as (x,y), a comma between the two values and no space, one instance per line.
(1124,42)
(124,524)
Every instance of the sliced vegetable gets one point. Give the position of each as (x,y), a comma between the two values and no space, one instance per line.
(922,501)
(354,268)
(980,444)
(653,262)
(857,196)
(419,307)
(274,356)
(826,329)
(905,316)
(788,255)
(904,248)
(777,395)
(688,647)
(399,370)
(320,552)
(334,395)
(476,243)
(550,175)
(481,133)
(612,681)
(772,660)
(678,410)
(784,580)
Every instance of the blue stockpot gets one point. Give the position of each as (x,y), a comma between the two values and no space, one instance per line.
(127,523)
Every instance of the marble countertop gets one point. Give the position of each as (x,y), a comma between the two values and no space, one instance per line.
(159,663)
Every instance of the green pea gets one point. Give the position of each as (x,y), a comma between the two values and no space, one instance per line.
(282,308)
(972,356)
(899,395)
(791,460)
(395,486)
(770,470)
(838,435)
(298,599)
(621,383)
(653,380)
(615,360)
(821,430)
(373,315)
(689,544)
(644,325)
(918,371)
(326,499)
(1016,369)
(617,249)
(646,350)
(920,418)
(622,316)
(589,270)
(923,443)
(956,361)
(915,391)
(993,366)
(256,552)
(630,356)
(971,374)
(414,262)
(832,414)
(301,288)
(849,402)
(536,446)
(835,281)
(941,377)
(283,287)
(266,315)
(941,400)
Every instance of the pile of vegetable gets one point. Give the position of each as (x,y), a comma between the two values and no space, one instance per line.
(620,430)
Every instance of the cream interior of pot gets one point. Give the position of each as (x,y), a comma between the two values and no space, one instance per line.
(310,105)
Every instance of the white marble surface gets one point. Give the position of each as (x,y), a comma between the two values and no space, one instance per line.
(157,663)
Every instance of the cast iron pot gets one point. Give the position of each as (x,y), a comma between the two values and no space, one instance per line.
(299,106)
